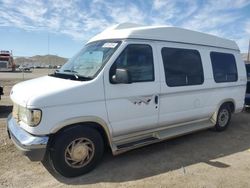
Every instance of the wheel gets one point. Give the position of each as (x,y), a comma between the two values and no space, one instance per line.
(77,151)
(223,118)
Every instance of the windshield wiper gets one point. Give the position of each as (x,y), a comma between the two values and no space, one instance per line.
(73,76)
(77,76)
(68,70)
(72,71)
(80,77)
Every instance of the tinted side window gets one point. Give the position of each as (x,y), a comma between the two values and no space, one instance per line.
(224,67)
(182,67)
(138,60)
(248,87)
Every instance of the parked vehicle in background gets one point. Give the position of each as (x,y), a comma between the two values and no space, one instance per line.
(247,99)
(248,71)
(128,87)
(23,68)
(6,61)
(4,65)
(1,91)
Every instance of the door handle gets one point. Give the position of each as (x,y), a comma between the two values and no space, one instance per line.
(156,99)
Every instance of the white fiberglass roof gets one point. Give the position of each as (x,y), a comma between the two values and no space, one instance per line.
(164,33)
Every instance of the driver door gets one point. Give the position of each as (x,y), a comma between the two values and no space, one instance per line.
(133,107)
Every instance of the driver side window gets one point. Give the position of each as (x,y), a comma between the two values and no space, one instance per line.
(138,60)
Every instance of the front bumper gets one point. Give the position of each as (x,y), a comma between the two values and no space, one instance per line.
(34,147)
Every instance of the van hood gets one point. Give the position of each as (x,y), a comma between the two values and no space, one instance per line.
(45,91)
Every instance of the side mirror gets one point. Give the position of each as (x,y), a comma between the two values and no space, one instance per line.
(121,76)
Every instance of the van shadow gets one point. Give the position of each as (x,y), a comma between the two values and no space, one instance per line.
(201,147)
(5,111)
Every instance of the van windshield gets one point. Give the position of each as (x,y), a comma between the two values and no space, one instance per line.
(89,61)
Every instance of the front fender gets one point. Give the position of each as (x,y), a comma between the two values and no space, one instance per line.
(77,120)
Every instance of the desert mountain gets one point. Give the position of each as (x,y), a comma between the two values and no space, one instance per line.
(41,60)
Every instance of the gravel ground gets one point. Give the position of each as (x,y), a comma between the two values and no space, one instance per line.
(203,159)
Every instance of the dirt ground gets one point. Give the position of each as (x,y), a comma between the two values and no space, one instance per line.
(203,159)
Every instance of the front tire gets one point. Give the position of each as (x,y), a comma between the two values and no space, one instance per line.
(77,151)
(223,118)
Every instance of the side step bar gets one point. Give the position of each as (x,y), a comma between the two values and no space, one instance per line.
(137,143)
(157,136)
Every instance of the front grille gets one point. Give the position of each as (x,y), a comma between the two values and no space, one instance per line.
(3,65)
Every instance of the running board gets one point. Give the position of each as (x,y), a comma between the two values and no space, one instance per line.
(137,143)
(153,137)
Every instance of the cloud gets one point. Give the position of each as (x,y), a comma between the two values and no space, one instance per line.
(223,18)
(214,15)
(174,11)
(243,37)
(81,19)
(247,27)
(54,16)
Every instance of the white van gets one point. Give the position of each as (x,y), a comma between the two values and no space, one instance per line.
(128,87)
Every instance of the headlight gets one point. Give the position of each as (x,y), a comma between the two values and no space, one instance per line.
(32,117)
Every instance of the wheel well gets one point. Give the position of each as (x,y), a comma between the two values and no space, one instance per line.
(94,125)
(231,105)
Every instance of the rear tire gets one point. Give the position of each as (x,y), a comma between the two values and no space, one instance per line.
(77,151)
(223,118)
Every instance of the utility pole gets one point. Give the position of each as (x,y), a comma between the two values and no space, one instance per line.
(248,55)
(48,49)
(48,45)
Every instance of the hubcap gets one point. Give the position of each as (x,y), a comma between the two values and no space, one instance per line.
(223,118)
(79,152)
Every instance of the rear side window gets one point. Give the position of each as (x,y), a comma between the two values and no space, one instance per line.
(182,67)
(138,60)
(248,87)
(224,67)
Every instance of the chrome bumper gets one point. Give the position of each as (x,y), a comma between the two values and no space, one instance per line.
(34,147)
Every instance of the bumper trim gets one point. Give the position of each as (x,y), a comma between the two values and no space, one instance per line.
(34,147)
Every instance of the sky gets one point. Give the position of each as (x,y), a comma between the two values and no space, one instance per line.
(61,27)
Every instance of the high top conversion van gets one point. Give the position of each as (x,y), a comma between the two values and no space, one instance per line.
(128,87)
